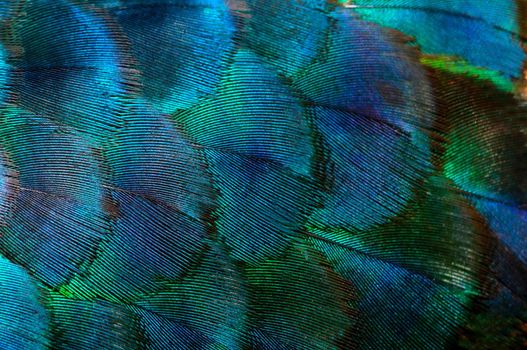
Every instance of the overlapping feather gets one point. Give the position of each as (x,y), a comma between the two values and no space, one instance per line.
(261,174)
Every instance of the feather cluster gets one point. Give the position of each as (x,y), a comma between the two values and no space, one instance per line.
(263,174)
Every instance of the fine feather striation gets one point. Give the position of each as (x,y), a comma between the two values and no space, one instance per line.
(77,75)
(182,48)
(467,29)
(254,174)
(55,214)
(24,320)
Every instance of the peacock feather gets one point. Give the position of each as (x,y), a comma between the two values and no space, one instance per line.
(263,174)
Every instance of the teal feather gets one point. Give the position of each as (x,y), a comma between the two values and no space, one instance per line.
(263,174)
(24,320)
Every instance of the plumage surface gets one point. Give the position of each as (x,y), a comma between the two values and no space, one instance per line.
(263,174)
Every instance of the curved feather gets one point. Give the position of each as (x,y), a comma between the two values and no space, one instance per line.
(75,75)
(397,308)
(469,29)
(57,217)
(258,147)
(95,324)
(262,174)
(254,114)
(24,321)
(181,46)
(294,36)
(286,299)
(211,299)
(362,121)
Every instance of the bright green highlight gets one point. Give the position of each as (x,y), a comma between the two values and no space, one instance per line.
(457,66)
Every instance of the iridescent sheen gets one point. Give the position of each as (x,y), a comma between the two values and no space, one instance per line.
(263,174)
